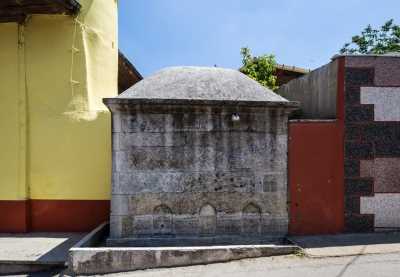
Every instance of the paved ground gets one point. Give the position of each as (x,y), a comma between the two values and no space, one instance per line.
(53,247)
(349,244)
(354,251)
(380,265)
(43,248)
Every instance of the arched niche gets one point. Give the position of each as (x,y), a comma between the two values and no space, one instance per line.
(162,220)
(251,219)
(207,220)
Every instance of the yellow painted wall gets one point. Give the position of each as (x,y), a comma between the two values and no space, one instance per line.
(12,115)
(70,65)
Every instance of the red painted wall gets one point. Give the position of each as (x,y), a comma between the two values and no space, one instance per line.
(52,215)
(68,215)
(316,177)
(14,216)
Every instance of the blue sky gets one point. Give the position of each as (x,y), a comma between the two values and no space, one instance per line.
(157,33)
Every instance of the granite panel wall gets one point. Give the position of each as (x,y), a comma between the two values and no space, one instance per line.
(194,171)
(372,143)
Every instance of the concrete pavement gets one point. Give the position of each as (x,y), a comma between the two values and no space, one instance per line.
(348,244)
(379,265)
(44,248)
(35,251)
(339,255)
(288,266)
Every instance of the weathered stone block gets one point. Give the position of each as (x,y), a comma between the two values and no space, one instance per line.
(272,224)
(116,123)
(251,224)
(229,224)
(147,123)
(199,168)
(186,225)
(223,202)
(116,141)
(91,261)
(165,139)
(274,182)
(116,230)
(207,220)
(162,220)
(142,225)
(149,182)
(120,205)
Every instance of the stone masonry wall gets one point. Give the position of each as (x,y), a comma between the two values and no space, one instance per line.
(193,171)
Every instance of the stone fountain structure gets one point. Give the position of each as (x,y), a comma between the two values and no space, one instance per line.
(199,158)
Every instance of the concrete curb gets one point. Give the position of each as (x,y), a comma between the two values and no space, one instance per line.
(85,261)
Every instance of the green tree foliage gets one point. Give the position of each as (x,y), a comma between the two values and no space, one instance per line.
(261,68)
(374,41)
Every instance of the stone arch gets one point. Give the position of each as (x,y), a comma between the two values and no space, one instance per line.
(162,220)
(162,209)
(251,208)
(207,220)
(251,219)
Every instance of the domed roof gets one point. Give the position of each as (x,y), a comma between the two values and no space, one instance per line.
(201,83)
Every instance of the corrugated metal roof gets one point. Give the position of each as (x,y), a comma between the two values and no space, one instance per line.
(292,68)
(127,73)
(17,10)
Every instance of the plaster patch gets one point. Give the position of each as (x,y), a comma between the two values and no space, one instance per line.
(385,207)
(386,101)
(78,109)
